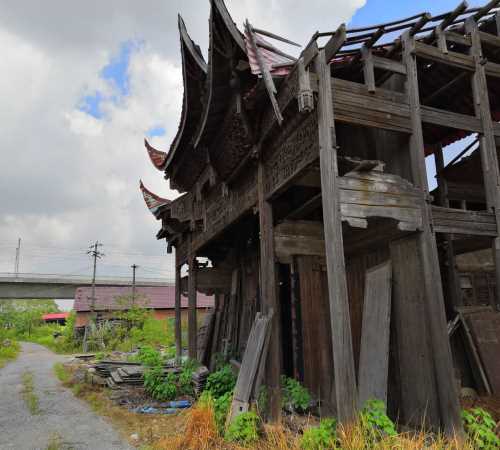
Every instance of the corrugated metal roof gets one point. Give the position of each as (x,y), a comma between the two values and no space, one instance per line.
(55,316)
(119,297)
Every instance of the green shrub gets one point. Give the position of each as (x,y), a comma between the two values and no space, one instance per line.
(9,349)
(294,394)
(480,428)
(321,437)
(149,357)
(375,421)
(159,386)
(244,429)
(221,381)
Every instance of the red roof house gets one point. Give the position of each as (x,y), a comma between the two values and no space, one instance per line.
(160,299)
(55,318)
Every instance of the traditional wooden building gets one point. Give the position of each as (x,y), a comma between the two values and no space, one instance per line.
(305,192)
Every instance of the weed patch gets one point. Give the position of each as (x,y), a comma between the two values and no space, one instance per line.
(9,349)
(29,395)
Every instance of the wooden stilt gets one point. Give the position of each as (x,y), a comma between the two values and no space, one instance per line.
(345,378)
(435,312)
(192,324)
(178,317)
(269,298)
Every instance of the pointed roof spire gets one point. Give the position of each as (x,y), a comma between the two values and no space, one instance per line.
(153,201)
(157,157)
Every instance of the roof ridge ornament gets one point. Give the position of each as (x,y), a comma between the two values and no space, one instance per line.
(158,158)
(153,201)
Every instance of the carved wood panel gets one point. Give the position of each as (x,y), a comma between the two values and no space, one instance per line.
(297,147)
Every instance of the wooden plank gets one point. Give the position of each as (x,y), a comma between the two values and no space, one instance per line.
(475,354)
(484,327)
(457,38)
(374,352)
(416,389)
(269,297)
(192,320)
(434,303)
(489,39)
(450,119)
(345,378)
(492,69)
(204,337)
(250,365)
(298,238)
(453,59)
(335,42)
(388,64)
(368,69)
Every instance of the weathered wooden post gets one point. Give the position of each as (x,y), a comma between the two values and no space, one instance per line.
(443,366)
(192,324)
(269,298)
(345,378)
(178,315)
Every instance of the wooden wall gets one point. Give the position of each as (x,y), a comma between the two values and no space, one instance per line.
(316,332)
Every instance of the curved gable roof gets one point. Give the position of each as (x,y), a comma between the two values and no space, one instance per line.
(194,72)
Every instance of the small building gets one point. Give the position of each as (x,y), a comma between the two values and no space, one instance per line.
(59,318)
(109,300)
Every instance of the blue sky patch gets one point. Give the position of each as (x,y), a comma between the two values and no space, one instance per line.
(156,131)
(116,74)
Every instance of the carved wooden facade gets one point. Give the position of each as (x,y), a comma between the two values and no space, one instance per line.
(293,195)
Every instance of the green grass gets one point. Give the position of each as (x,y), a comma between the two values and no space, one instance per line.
(55,442)
(8,353)
(61,373)
(29,395)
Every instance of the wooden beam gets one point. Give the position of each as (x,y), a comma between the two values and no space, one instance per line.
(450,119)
(452,59)
(335,43)
(275,36)
(269,298)
(388,64)
(192,323)
(459,221)
(368,68)
(266,75)
(434,302)
(345,378)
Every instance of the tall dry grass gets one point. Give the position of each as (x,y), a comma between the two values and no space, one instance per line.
(200,433)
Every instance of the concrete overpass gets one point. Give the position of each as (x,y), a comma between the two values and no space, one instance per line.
(52,286)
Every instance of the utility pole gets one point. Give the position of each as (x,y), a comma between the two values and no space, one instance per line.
(18,257)
(134,267)
(96,254)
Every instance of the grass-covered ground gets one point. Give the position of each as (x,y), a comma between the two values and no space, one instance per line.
(9,349)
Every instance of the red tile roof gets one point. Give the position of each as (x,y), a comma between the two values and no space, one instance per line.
(113,298)
(55,316)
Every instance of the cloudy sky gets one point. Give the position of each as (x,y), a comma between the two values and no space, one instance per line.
(82,83)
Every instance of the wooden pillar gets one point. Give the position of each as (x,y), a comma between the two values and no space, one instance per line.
(192,324)
(453,285)
(178,316)
(269,299)
(487,145)
(443,366)
(343,359)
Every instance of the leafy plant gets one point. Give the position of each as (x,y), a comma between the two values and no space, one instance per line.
(480,428)
(321,437)
(149,357)
(244,429)
(375,421)
(221,381)
(294,394)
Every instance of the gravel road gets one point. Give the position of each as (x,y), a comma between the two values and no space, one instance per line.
(61,414)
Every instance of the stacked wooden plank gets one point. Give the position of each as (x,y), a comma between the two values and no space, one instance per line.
(199,378)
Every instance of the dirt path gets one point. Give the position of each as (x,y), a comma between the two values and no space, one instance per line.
(61,416)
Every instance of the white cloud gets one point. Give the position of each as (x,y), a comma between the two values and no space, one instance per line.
(69,178)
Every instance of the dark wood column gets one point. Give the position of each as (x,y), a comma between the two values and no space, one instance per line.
(345,378)
(434,303)
(178,316)
(269,298)
(192,324)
